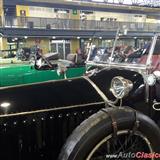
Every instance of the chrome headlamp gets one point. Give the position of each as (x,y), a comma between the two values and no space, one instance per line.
(120,87)
(151,79)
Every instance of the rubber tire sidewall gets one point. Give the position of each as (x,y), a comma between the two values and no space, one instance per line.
(86,136)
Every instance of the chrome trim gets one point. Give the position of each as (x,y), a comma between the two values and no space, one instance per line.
(137,133)
(153,78)
(90,49)
(127,86)
(38,83)
(129,65)
(149,62)
(115,65)
(114,45)
(110,63)
(143,69)
(51,109)
(103,96)
(156,104)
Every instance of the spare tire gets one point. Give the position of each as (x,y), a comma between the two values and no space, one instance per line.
(93,139)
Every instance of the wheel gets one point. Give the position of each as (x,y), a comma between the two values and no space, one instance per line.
(93,139)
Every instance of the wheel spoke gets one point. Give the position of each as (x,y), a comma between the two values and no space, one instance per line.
(124,143)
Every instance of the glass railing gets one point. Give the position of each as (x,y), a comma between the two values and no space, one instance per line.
(141,3)
(70,24)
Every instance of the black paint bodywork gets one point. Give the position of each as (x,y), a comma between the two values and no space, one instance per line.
(42,116)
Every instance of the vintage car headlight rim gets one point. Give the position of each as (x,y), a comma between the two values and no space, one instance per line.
(120,87)
(151,79)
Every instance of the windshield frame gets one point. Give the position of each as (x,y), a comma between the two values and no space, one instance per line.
(131,66)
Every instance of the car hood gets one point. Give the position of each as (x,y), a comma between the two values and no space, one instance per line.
(48,96)
(65,94)
(104,77)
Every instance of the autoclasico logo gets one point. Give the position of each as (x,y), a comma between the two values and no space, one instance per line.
(131,155)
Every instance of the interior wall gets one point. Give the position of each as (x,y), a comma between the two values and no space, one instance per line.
(43,43)
(3,43)
(1,12)
(41,12)
(74,45)
(20,8)
(120,16)
(46,12)
(33,11)
(91,16)
(1,7)
(152,20)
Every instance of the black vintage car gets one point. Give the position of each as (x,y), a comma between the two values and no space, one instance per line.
(112,113)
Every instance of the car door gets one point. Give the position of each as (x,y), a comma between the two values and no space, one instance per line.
(75,72)
(29,74)
(10,74)
(45,75)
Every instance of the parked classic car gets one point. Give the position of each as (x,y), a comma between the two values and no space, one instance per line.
(113,113)
(16,72)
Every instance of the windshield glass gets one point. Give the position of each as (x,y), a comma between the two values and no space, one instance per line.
(124,50)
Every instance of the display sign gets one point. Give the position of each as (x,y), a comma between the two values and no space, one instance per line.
(74,11)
